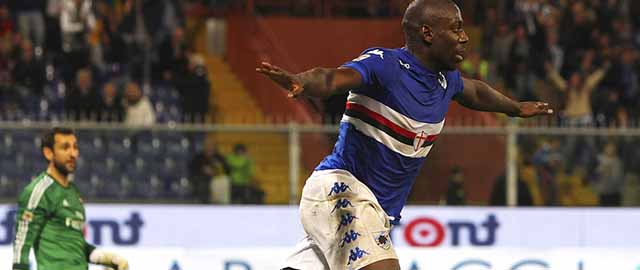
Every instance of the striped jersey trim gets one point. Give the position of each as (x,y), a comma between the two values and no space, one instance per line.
(394,116)
(23,225)
(396,131)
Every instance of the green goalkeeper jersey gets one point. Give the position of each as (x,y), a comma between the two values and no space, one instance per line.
(51,219)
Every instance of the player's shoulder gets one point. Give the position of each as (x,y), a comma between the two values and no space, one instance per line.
(379,53)
(453,73)
(41,185)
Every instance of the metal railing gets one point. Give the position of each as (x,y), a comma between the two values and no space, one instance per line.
(294,132)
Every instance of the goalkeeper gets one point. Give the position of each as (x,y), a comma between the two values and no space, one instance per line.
(51,216)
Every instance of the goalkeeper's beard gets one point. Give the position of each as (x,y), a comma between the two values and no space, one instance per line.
(62,169)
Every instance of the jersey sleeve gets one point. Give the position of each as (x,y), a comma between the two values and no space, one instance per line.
(458,83)
(88,248)
(374,65)
(33,210)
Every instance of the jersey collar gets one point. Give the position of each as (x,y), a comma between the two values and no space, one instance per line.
(415,64)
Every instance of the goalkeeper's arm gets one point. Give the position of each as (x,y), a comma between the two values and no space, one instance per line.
(112,260)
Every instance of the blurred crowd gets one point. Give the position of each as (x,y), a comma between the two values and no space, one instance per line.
(580,55)
(129,61)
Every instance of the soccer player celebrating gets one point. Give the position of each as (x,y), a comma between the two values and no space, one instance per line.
(395,111)
(51,214)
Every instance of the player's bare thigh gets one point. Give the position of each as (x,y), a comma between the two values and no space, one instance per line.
(388,264)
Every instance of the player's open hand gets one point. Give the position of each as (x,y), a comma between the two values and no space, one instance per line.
(282,77)
(534,108)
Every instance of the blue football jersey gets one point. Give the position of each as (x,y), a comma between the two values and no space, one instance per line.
(391,122)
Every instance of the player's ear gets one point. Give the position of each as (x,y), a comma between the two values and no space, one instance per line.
(427,33)
(48,153)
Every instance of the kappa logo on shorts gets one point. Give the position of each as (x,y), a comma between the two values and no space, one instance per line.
(342,203)
(382,239)
(339,188)
(349,237)
(346,219)
(356,254)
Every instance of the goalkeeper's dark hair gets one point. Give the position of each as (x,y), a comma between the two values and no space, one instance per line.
(48,138)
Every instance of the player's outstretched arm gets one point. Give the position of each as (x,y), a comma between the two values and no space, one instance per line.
(478,95)
(108,259)
(316,82)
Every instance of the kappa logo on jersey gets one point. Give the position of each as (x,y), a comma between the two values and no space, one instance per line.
(382,239)
(377,52)
(345,220)
(342,203)
(339,188)
(349,237)
(356,254)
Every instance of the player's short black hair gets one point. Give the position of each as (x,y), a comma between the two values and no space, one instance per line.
(48,138)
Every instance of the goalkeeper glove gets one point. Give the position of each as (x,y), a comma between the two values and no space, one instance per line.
(108,259)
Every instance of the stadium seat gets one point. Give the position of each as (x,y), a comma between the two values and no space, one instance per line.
(120,147)
(148,186)
(7,146)
(8,187)
(90,146)
(179,188)
(149,147)
(178,149)
(107,168)
(197,141)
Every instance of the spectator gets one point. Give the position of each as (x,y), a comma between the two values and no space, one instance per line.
(30,19)
(29,73)
(243,186)
(115,47)
(629,80)
(111,109)
(76,22)
(6,24)
(139,111)
(173,61)
(83,101)
(548,162)
(610,176)
(578,110)
(555,54)
(8,95)
(520,77)
(501,50)
(194,90)
(208,172)
(499,193)
(455,189)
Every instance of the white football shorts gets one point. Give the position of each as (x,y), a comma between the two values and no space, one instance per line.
(346,227)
